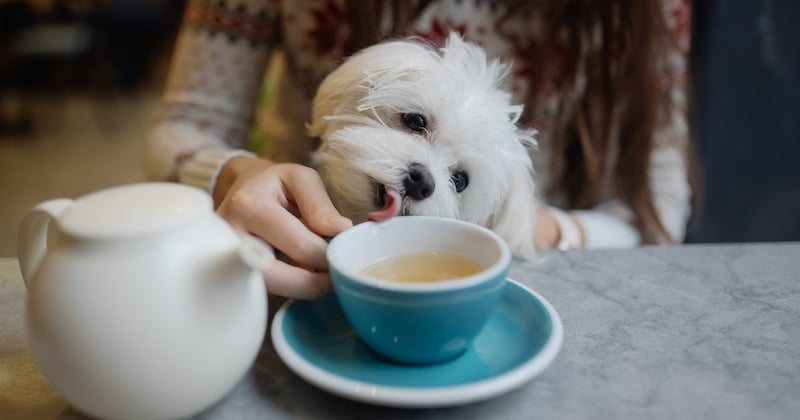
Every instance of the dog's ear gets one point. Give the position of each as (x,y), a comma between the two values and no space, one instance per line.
(515,221)
(460,55)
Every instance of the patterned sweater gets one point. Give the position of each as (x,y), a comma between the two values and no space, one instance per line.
(225,47)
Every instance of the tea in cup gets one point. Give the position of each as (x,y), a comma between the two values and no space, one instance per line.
(418,289)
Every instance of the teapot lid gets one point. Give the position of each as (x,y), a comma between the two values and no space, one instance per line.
(133,210)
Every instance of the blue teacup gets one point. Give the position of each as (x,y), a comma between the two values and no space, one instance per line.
(417,322)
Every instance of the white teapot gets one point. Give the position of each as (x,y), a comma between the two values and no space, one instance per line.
(143,303)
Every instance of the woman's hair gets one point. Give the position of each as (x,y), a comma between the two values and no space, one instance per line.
(619,47)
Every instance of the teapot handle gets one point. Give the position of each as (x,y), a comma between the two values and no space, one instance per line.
(32,236)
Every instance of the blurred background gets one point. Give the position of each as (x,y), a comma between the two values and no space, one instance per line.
(80,78)
(746,119)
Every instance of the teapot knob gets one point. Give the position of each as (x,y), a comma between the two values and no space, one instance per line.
(32,236)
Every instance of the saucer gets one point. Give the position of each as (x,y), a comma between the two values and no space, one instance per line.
(520,340)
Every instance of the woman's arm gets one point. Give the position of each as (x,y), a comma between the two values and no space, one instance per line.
(611,223)
(213,85)
(200,137)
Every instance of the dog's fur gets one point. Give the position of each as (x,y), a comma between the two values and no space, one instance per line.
(471,126)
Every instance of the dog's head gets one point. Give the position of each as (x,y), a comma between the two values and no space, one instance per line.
(409,130)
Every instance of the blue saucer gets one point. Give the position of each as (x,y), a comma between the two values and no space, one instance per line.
(520,340)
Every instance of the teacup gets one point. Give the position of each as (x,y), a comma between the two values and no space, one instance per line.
(418,322)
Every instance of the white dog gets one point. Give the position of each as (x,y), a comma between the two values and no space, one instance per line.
(409,130)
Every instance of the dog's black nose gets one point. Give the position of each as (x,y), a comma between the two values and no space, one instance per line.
(419,183)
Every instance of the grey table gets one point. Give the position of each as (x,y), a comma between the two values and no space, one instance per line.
(687,332)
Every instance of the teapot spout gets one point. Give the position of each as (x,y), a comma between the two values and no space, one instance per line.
(254,252)
(251,255)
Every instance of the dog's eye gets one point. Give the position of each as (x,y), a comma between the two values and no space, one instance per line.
(460,180)
(414,122)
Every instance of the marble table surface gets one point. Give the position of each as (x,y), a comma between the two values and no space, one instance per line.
(687,332)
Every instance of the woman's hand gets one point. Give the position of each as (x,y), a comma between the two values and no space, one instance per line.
(268,200)
(548,232)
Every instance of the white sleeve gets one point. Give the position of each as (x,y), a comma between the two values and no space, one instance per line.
(608,225)
(669,178)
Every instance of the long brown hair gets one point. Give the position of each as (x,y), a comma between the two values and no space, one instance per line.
(618,46)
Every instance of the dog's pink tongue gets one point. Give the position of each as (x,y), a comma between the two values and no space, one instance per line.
(391,206)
